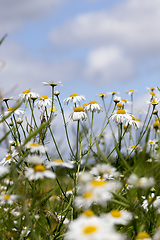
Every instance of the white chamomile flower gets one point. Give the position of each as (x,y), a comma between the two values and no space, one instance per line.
(120,116)
(34,96)
(24,95)
(74,98)
(102,95)
(52,83)
(130,92)
(59,163)
(118,217)
(38,172)
(93,106)
(35,160)
(8,199)
(156,204)
(43,101)
(87,228)
(143,182)
(105,170)
(36,147)
(78,114)
(153,102)
(11,109)
(143,236)
(9,158)
(116,99)
(113,93)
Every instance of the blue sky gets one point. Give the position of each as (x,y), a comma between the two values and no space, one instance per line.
(91,46)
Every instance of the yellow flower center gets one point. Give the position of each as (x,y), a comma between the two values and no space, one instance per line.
(26,91)
(78,109)
(158,119)
(58,161)
(131,91)
(151,142)
(154,102)
(142,235)
(85,104)
(137,119)
(133,118)
(121,111)
(123,100)
(34,145)
(156,124)
(45,97)
(6,197)
(113,92)
(90,230)
(39,168)
(98,183)
(87,195)
(73,95)
(102,94)
(93,102)
(120,105)
(88,213)
(10,109)
(152,93)
(8,157)
(115,213)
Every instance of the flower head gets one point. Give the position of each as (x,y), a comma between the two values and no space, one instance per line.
(52,83)
(35,147)
(120,116)
(78,114)
(43,101)
(74,98)
(93,106)
(8,199)
(38,172)
(59,163)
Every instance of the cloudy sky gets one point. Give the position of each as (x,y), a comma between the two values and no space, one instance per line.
(91,46)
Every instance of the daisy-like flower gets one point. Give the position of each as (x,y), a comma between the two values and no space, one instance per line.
(113,93)
(78,114)
(52,83)
(143,236)
(120,116)
(6,99)
(136,148)
(35,160)
(34,96)
(118,217)
(43,101)
(151,88)
(24,95)
(102,95)
(8,199)
(59,163)
(35,147)
(9,158)
(74,98)
(143,182)
(116,99)
(153,102)
(130,92)
(156,125)
(105,170)
(88,228)
(93,106)
(38,172)
(11,109)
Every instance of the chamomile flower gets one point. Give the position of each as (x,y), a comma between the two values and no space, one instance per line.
(34,96)
(24,95)
(11,109)
(118,217)
(130,92)
(35,160)
(9,158)
(35,147)
(143,182)
(105,170)
(120,116)
(78,114)
(38,172)
(52,83)
(43,101)
(113,93)
(153,102)
(8,199)
(74,98)
(6,99)
(102,95)
(116,99)
(59,163)
(87,228)
(93,106)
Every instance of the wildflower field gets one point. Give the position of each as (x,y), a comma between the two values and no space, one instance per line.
(92,192)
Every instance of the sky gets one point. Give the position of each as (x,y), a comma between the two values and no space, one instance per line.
(91,46)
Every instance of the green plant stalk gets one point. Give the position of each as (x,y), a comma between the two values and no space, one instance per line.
(32,113)
(65,125)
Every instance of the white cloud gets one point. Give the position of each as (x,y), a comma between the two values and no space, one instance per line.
(107,64)
(14,14)
(132,28)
